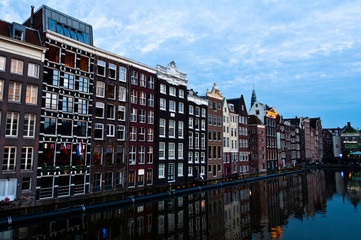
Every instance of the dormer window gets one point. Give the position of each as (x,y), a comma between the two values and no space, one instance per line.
(18,34)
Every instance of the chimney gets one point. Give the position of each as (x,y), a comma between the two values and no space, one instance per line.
(32,17)
(348,124)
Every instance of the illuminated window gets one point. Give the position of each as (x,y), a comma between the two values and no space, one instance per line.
(16,66)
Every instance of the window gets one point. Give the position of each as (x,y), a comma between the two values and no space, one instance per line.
(33,70)
(84,63)
(180,129)
(59,28)
(111,91)
(203,140)
(203,112)
(51,101)
(31,94)
(196,124)
(108,181)
(171,130)
(101,68)
(1,89)
(133,134)
(122,74)
(134,78)
(9,159)
(121,113)
(99,109)
(53,54)
(161,150)
(190,171)
(100,89)
(161,172)
(99,131)
(196,157)
(82,106)
(27,155)
(98,155)
(142,134)
(150,117)
(132,155)
(83,84)
(162,104)
(110,111)
(150,134)
(142,115)
(171,172)
(122,94)
(110,130)
(190,122)
(163,88)
(150,154)
(181,93)
(69,59)
(171,150)
(66,128)
(2,63)
(197,111)
(215,120)
(29,125)
(133,114)
(172,106)
(162,127)
(14,92)
(119,155)
(141,154)
(196,140)
(143,98)
(134,96)
(151,100)
(191,109)
(12,122)
(26,185)
(112,71)
(190,139)
(210,119)
(203,157)
(16,66)
(219,121)
(68,104)
(81,129)
(121,133)
(143,81)
(203,124)
(172,91)
(151,83)
(49,125)
(180,151)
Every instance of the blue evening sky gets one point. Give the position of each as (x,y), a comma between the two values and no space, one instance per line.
(303,57)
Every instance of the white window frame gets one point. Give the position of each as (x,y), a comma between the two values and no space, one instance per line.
(100,89)
(27,158)
(180,129)
(161,170)
(181,107)
(121,128)
(17,66)
(150,117)
(163,104)
(2,63)
(172,91)
(172,106)
(122,74)
(151,82)
(9,162)
(133,134)
(151,100)
(99,126)
(171,150)
(162,150)
(143,80)
(150,134)
(33,70)
(110,130)
(143,98)
(162,125)
(171,128)
(12,124)
(163,88)
(122,94)
(180,151)
(181,93)
(180,170)
(101,63)
(16,88)
(29,125)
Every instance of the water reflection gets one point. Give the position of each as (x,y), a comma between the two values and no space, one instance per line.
(263,210)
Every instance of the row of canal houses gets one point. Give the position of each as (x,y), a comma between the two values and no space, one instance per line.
(77,120)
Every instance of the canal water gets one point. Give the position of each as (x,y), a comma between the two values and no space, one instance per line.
(320,204)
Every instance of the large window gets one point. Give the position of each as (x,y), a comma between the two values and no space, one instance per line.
(31,94)
(151,83)
(150,134)
(54,53)
(162,127)
(122,94)
(101,68)
(143,98)
(134,96)
(27,156)
(133,133)
(12,124)
(2,63)
(141,154)
(121,113)
(17,66)
(161,170)
(1,89)
(82,106)
(100,89)
(122,74)
(68,104)
(180,129)
(163,88)
(171,150)
(81,128)
(33,70)
(29,125)
(83,63)
(66,128)
(132,155)
(50,125)
(172,106)
(51,101)
(151,100)
(181,107)
(69,59)
(99,131)
(83,84)
(172,91)
(134,78)
(142,116)
(99,109)
(162,104)
(133,114)
(161,150)
(180,169)
(112,71)
(150,117)
(142,134)
(14,92)
(180,151)
(9,159)
(143,81)
(171,130)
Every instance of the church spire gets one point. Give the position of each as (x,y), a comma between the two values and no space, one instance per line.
(253,98)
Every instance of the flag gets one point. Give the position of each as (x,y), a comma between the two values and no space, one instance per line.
(80,148)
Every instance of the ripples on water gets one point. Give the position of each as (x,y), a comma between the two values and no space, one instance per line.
(316,205)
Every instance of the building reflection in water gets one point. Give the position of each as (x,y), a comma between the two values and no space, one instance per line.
(252,211)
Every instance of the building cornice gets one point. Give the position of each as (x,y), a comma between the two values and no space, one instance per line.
(21,48)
